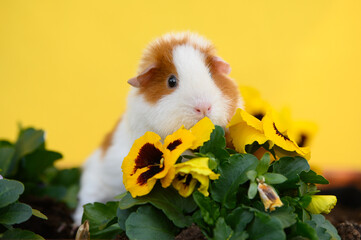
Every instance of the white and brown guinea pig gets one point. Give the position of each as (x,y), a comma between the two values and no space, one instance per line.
(180,80)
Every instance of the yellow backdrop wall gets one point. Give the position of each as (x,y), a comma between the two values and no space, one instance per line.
(64,64)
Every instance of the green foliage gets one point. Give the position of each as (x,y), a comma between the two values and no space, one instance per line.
(32,166)
(13,212)
(233,174)
(10,191)
(102,219)
(166,199)
(149,223)
(17,233)
(233,210)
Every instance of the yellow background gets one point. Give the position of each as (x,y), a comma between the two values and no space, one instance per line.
(64,64)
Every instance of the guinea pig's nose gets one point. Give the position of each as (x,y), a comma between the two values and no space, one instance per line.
(203,108)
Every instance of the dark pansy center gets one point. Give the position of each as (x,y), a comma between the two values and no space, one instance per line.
(143,178)
(148,155)
(279,133)
(180,177)
(188,179)
(173,145)
(303,140)
(259,116)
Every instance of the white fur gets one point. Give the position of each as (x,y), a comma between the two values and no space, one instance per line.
(102,177)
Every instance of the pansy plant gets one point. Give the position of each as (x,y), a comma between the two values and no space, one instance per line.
(227,193)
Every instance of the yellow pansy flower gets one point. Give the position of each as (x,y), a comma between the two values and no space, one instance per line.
(321,204)
(189,173)
(277,133)
(269,196)
(149,159)
(245,129)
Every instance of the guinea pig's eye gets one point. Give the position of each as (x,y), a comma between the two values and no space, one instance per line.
(172,81)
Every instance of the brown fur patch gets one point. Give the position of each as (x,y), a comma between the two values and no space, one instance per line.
(230,90)
(108,139)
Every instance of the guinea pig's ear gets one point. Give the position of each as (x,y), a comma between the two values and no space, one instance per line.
(145,76)
(220,66)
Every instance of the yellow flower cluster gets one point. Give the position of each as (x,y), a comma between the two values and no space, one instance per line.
(260,123)
(246,129)
(149,160)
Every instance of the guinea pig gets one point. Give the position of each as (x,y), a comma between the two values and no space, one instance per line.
(180,80)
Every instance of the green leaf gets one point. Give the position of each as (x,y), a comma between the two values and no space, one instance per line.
(100,216)
(265,227)
(305,200)
(252,190)
(36,163)
(10,190)
(149,223)
(209,209)
(109,232)
(274,178)
(168,200)
(291,168)
(71,196)
(307,188)
(212,163)
(122,215)
(233,174)
(239,218)
(28,141)
(67,177)
(222,231)
(263,164)
(251,175)
(15,213)
(5,143)
(312,177)
(197,217)
(216,145)
(17,233)
(301,229)
(324,229)
(38,214)
(285,215)
(6,155)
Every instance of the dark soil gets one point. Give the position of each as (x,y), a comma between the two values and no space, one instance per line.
(346,217)
(59,224)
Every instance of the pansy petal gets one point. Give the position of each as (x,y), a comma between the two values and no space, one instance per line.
(242,116)
(243,134)
(204,183)
(303,132)
(321,204)
(196,165)
(185,184)
(276,134)
(168,178)
(179,141)
(202,131)
(139,187)
(151,141)
(280,152)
